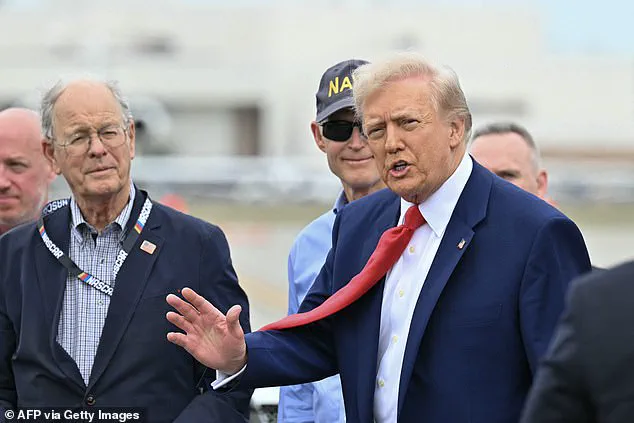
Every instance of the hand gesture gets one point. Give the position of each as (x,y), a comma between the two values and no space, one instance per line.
(215,340)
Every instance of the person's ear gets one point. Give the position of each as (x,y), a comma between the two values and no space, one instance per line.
(315,128)
(48,149)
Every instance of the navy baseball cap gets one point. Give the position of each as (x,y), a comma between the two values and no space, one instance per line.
(335,89)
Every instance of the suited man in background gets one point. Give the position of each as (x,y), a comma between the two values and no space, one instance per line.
(82,305)
(588,374)
(509,150)
(449,318)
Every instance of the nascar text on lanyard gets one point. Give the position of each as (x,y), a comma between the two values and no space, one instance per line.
(73,269)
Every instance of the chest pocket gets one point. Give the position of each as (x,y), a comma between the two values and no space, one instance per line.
(471,316)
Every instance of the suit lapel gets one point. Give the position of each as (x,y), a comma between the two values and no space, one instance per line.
(51,277)
(368,308)
(129,286)
(469,211)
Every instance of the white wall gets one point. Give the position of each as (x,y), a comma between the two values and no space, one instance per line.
(273,57)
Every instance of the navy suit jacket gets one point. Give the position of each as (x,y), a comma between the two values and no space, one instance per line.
(587,375)
(135,365)
(484,316)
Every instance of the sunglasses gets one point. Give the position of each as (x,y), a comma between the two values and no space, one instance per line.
(339,130)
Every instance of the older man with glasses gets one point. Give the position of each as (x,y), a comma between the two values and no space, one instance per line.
(338,134)
(82,310)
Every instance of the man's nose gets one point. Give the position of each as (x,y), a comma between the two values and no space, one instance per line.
(357,140)
(393,141)
(96,147)
(5,182)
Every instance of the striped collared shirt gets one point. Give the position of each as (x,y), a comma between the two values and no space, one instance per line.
(84,308)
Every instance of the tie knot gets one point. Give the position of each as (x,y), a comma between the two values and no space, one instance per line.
(413,218)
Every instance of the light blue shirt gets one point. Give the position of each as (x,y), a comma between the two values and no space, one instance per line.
(319,402)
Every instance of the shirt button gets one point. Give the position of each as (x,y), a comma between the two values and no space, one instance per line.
(100,302)
(103,261)
(411,249)
(90,400)
(401,293)
(395,339)
(381,383)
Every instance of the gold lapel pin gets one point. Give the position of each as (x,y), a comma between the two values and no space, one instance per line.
(461,244)
(148,247)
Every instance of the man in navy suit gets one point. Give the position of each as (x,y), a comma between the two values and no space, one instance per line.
(587,374)
(454,331)
(509,150)
(82,290)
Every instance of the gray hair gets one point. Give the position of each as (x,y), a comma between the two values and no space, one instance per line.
(446,94)
(500,128)
(50,97)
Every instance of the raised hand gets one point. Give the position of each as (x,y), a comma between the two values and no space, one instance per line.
(215,340)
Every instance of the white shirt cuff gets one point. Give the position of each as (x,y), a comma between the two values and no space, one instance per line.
(223,378)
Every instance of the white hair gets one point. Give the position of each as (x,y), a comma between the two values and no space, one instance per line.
(50,97)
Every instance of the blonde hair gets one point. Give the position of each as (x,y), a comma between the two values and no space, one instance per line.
(446,94)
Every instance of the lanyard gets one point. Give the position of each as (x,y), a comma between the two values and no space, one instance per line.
(73,269)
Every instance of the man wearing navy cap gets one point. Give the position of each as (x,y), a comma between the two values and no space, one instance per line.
(439,295)
(336,133)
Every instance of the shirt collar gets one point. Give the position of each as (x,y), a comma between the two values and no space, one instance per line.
(340,202)
(78,220)
(439,207)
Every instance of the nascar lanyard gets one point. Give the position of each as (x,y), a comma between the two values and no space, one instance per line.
(73,269)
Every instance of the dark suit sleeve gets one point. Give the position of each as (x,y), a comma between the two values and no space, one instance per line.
(557,256)
(219,285)
(299,355)
(8,395)
(559,392)
(293,356)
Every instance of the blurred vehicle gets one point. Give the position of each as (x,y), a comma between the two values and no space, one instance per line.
(264,405)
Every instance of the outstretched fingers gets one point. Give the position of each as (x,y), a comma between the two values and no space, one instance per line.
(179,339)
(183,307)
(212,338)
(233,321)
(179,321)
(201,304)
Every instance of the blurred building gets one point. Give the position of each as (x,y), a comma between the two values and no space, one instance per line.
(216,80)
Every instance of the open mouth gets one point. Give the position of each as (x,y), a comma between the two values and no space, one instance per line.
(399,168)
(400,165)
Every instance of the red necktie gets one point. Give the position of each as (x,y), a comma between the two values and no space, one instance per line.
(386,254)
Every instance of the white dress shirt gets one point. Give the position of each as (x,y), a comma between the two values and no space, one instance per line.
(403,284)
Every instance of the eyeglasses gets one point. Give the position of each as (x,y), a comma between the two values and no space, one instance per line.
(339,130)
(79,143)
